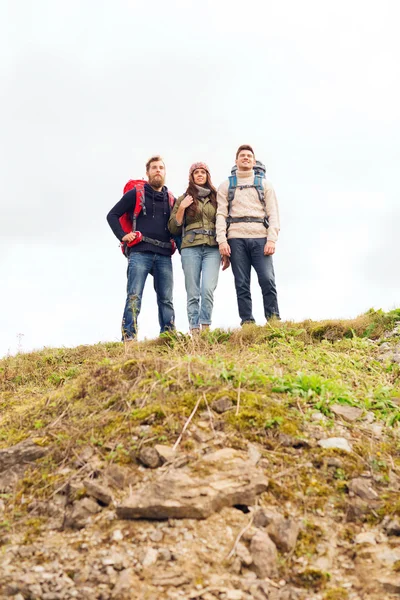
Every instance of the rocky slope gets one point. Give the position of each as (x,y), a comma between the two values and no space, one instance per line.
(249,465)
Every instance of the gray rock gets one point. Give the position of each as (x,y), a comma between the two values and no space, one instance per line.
(217,480)
(369,417)
(392,527)
(202,436)
(248,534)
(126,582)
(114,559)
(165,554)
(35,590)
(284,533)
(171,578)
(54,510)
(77,516)
(234,595)
(236,566)
(288,441)
(318,416)
(21,454)
(89,505)
(117,476)
(291,593)
(264,554)
(10,478)
(11,589)
(349,413)
(149,457)
(376,430)
(222,405)
(265,591)
(390,584)
(365,537)
(386,357)
(150,557)
(244,555)
(356,510)
(262,518)
(254,454)
(386,555)
(166,453)
(84,456)
(385,346)
(362,488)
(99,491)
(337,443)
(86,592)
(117,535)
(394,481)
(156,535)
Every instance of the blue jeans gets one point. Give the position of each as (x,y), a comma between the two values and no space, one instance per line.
(247,253)
(141,264)
(201,268)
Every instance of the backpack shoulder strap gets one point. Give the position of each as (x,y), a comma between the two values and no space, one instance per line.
(171,199)
(139,204)
(231,191)
(258,184)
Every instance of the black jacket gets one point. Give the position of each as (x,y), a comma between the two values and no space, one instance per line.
(152,221)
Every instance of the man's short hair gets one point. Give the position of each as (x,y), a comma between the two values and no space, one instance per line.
(244,147)
(154,159)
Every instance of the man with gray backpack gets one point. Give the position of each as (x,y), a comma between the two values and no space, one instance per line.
(247,228)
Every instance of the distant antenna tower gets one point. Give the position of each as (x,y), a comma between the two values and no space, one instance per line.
(19,338)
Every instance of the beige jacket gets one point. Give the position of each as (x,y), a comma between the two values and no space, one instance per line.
(247,203)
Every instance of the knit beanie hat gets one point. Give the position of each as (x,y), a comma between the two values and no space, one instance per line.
(198,165)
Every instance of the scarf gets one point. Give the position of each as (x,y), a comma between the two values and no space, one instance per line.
(202,192)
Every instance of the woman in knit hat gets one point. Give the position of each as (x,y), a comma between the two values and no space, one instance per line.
(193,217)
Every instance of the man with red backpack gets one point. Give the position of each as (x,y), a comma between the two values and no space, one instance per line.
(140,221)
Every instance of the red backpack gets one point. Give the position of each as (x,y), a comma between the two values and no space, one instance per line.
(128,220)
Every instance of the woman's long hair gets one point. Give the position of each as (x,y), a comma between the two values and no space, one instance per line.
(192,191)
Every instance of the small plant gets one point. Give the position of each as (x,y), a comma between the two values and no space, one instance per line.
(336,594)
(313,579)
(273,422)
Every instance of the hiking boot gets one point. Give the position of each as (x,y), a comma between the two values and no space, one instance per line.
(205,327)
(128,337)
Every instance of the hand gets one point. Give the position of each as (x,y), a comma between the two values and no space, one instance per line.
(226,263)
(187,201)
(224,249)
(269,248)
(129,237)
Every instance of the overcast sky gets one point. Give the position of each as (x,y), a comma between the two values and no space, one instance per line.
(91,89)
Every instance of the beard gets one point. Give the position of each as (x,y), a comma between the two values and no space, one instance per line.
(157,181)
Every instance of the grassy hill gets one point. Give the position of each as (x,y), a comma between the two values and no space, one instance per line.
(286,387)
